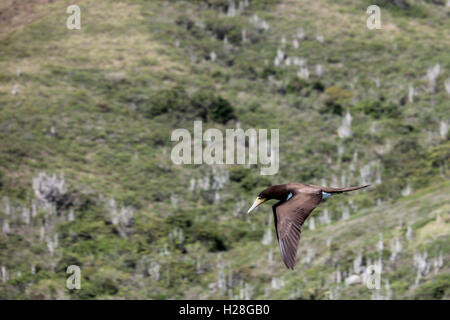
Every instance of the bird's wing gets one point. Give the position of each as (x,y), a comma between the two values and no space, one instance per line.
(339,190)
(289,217)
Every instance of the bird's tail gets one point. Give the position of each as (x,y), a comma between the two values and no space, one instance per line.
(340,190)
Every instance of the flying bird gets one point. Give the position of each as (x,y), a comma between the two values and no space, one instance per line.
(296,202)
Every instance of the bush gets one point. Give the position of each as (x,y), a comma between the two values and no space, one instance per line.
(253,181)
(238,173)
(209,107)
(215,4)
(247,179)
(224,4)
(298,85)
(439,155)
(185,22)
(203,104)
(168,100)
(225,27)
(378,109)
(405,158)
(437,288)
(402,8)
(334,97)
(206,232)
(2,176)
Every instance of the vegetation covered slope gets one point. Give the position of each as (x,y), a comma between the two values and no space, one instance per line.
(85,171)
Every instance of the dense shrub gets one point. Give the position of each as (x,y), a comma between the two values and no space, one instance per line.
(404,128)
(247,179)
(223,5)
(437,288)
(298,85)
(269,70)
(378,109)
(405,8)
(238,173)
(437,2)
(225,27)
(399,158)
(185,22)
(206,231)
(203,104)
(397,3)
(253,181)
(439,155)
(333,100)
(169,100)
(210,107)
(215,4)
(2,176)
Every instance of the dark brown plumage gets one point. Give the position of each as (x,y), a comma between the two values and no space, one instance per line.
(296,202)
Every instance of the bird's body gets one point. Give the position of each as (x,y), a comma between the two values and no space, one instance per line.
(296,202)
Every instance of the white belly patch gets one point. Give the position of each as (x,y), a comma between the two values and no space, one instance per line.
(326,195)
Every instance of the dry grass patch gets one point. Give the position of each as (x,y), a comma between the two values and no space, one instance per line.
(436,228)
(15,14)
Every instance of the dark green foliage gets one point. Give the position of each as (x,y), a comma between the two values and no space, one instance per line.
(185,22)
(209,234)
(438,288)
(378,109)
(255,181)
(223,5)
(270,70)
(403,4)
(296,85)
(211,107)
(206,231)
(404,128)
(439,155)
(399,159)
(405,8)
(334,99)
(204,104)
(437,2)
(247,179)
(226,27)
(215,4)
(169,100)
(299,86)
(318,86)
(238,173)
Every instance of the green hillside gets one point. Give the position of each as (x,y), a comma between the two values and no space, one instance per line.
(86,176)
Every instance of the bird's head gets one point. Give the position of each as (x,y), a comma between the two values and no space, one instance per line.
(278,192)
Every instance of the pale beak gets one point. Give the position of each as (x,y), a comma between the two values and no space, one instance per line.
(257,202)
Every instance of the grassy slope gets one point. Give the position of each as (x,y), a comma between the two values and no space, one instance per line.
(93,87)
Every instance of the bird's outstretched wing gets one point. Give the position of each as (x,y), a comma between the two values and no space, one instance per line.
(289,217)
(339,190)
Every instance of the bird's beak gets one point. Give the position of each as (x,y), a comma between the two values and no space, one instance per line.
(257,202)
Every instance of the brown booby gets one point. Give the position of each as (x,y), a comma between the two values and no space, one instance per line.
(296,202)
